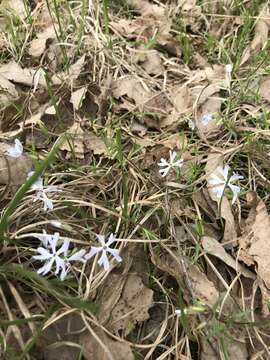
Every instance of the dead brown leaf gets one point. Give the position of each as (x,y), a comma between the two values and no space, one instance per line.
(260,246)
(264,88)
(152,63)
(71,74)
(15,73)
(213,247)
(260,34)
(230,234)
(77,97)
(94,143)
(179,267)
(175,141)
(236,348)
(13,171)
(74,144)
(211,106)
(181,101)
(132,305)
(109,350)
(38,45)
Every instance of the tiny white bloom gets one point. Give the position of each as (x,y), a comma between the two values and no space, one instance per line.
(104,249)
(206,118)
(220,180)
(41,192)
(166,166)
(51,255)
(228,69)
(16,150)
(179,312)
(191,124)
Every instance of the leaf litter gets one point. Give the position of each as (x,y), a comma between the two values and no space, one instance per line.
(130,88)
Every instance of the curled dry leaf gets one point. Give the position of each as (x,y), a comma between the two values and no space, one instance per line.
(15,73)
(211,106)
(235,345)
(132,305)
(184,272)
(77,97)
(72,74)
(74,144)
(181,100)
(14,171)
(152,63)
(38,45)
(260,34)
(257,234)
(264,88)
(175,141)
(94,143)
(230,234)
(213,247)
(7,90)
(104,349)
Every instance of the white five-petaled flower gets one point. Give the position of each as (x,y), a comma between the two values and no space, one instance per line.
(166,166)
(41,192)
(104,249)
(220,180)
(16,150)
(51,255)
(206,118)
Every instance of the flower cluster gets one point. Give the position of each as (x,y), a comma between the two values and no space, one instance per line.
(55,254)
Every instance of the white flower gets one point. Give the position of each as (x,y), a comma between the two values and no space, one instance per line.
(228,69)
(41,192)
(206,118)
(51,255)
(179,312)
(104,249)
(220,180)
(166,166)
(191,124)
(16,150)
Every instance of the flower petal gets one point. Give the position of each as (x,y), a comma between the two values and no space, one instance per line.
(110,240)
(78,256)
(64,248)
(164,172)
(16,150)
(93,251)
(53,241)
(59,264)
(46,268)
(48,204)
(104,261)
(115,254)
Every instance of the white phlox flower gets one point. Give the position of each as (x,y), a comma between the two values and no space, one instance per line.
(206,118)
(220,179)
(167,166)
(55,256)
(180,312)
(41,192)
(16,150)
(104,249)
